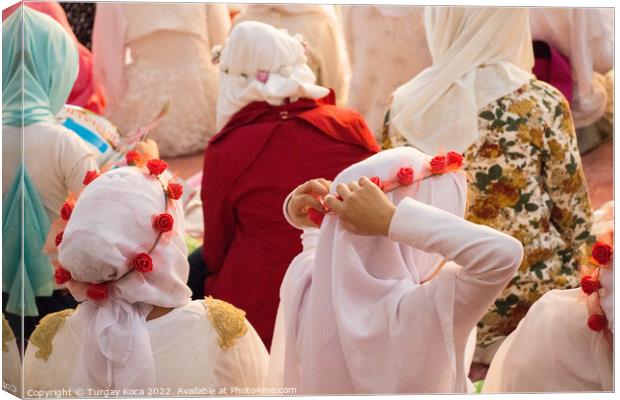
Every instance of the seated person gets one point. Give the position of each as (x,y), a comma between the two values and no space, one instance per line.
(278,129)
(385,296)
(564,343)
(123,256)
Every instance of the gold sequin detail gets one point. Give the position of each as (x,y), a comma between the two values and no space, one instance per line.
(228,320)
(46,330)
(7,333)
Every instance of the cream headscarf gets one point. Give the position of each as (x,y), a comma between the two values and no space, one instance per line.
(253,48)
(479,55)
(110,224)
(352,323)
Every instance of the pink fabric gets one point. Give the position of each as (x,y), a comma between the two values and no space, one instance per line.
(86,91)
(347,307)
(553,67)
(110,224)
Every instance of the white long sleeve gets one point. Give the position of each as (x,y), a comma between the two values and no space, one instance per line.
(488,257)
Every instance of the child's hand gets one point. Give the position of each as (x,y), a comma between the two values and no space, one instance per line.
(148,149)
(364,209)
(306,196)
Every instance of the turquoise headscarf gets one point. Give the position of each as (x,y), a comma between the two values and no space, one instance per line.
(26,271)
(48,60)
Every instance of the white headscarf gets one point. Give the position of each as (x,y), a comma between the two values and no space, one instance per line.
(110,224)
(479,55)
(353,332)
(253,47)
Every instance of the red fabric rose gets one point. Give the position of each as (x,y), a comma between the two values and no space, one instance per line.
(597,322)
(90,176)
(602,253)
(438,164)
(405,176)
(315,216)
(589,285)
(156,166)
(454,160)
(142,263)
(163,223)
(65,211)
(97,291)
(61,276)
(58,239)
(377,181)
(134,158)
(175,190)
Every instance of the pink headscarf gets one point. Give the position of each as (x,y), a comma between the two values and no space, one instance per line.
(110,224)
(353,320)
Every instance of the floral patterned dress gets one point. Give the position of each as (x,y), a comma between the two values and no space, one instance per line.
(526,180)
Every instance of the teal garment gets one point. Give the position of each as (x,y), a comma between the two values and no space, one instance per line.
(29,274)
(48,60)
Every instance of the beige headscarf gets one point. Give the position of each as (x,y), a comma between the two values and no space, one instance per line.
(479,55)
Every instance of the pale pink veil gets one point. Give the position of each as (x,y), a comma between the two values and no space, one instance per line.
(111,222)
(355,321)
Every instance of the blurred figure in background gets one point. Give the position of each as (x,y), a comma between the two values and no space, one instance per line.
(320,28)
(585,36)
(86,91)
(38,73)
(526,178)
(387,47)
(149,54)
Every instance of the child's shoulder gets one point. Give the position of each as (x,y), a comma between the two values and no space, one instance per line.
(45,332)
(226,320)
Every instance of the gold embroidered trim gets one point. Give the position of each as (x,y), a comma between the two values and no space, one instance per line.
(46,330)
(7,334)
(228,320)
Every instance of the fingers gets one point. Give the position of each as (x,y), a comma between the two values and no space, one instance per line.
(364,181)
(333,203)
(320,187)
(304,201)
(343,190)
(353,186)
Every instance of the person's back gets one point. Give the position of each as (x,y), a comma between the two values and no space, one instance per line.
(387,46)
(122,255)
(248,172)
(375,279)
(519,143)
(203,344)
(170,63)
(529,182)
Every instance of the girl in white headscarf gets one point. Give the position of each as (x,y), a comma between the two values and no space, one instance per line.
(390,312)
(564,343)
(517,135)
(122,254)
(320,27)
(278,128)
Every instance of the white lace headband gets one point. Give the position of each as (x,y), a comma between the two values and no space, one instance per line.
(261,75)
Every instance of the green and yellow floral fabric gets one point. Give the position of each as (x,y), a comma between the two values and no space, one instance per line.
(526,180)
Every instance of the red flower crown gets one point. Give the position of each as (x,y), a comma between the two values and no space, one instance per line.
(601,256)
(162,223)
(438,165)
